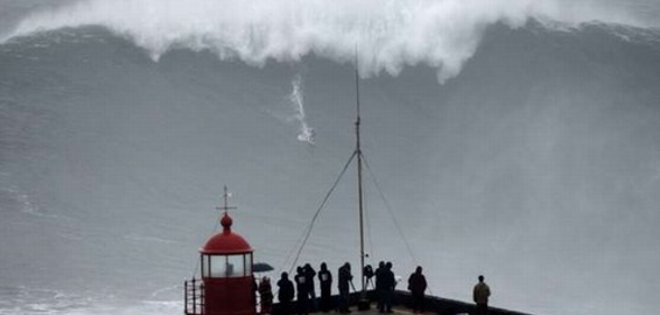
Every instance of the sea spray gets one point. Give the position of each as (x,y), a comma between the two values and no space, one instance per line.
(305,132)
(391,34)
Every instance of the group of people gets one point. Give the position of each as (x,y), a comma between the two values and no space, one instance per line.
(305,290)
(303,287)
(385,284)
(265,293)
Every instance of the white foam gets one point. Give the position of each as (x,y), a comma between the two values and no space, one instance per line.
(305,133)
(32,301)
(391,33)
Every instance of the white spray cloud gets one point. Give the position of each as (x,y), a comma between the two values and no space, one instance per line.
(305,133)
(390,33)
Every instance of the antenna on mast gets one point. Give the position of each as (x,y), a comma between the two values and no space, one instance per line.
(358,151)
(357,89)
(363,303)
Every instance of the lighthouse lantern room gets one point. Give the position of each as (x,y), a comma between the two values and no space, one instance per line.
(227,284)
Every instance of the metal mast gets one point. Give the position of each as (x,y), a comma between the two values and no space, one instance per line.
(358,151)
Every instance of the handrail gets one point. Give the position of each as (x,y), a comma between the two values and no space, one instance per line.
(193,297)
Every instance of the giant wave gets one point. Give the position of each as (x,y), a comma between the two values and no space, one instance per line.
(387,35)
(537,164)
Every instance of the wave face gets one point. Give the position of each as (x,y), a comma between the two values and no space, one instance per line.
(537,165)
(390,34)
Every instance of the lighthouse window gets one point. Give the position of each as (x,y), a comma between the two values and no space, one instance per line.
(205,266)
(248,264)
(226,266)
(218,266)
(235,267)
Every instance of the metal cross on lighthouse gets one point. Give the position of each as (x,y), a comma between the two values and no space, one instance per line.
(225,196)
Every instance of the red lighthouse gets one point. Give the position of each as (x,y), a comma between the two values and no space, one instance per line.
(227,286)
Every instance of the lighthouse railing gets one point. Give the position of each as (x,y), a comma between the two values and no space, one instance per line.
(193,297)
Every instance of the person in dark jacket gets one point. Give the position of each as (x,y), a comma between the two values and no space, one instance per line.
(389,283)
(285,293)
(266,294)
(325,279)
(380,295)
(480,295)
(417,286)
(303,292)
(343,284)
(310,273)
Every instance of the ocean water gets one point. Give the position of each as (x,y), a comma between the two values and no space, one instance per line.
(529,155)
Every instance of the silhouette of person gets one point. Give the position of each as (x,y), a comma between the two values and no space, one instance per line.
(389,282)
(325,279)
(343,283)
(229,270)
(480,295)
(380,293)
(309,273)
(303,292)
(285,293)
(417,286)
(266,294)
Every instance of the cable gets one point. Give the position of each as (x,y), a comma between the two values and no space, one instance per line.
(367,219)
(389,210)
(318,211)
(289,254)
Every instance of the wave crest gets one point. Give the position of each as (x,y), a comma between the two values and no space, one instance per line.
(390,34)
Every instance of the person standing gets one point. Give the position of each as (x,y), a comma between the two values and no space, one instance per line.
(417,286)
(302,292)
(310,273)
(380,294)
(480,295)
(389,282)
(266,294)
(325,280)
(285,293)
(343,283)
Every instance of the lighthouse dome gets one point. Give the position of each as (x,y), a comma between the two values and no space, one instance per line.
(226,242)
